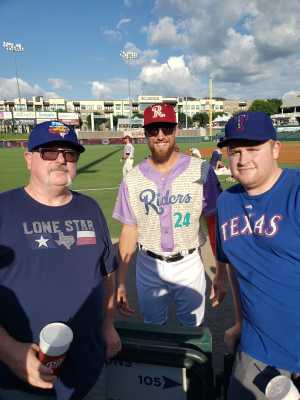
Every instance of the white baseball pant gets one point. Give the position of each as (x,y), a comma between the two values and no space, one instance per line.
(128,165)
(159,282)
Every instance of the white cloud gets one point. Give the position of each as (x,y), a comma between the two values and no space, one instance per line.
(200,25)
(276,28)
(9,91)
(100,90)
(118,86)
(115,88)
(172,78)
(251,49)
(122,22)
(115,33)
(112,34)
(166,33)
(58,83)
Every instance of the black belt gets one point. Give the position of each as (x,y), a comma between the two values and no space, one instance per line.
(172,258)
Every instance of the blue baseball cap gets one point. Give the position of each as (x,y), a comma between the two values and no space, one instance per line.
(252,126)
(53,132)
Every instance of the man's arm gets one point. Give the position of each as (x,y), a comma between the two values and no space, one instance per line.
(127,248)
(21,359)
(211,229)
(110,335)
(218,289)
(232,335)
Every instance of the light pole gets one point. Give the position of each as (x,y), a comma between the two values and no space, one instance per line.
(14,48)
(128,57)
(186,116)
(210,90)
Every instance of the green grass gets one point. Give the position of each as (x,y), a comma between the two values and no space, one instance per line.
(13,136)
(99,168)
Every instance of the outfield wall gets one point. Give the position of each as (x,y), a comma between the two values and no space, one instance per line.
(105,141)
(142,140)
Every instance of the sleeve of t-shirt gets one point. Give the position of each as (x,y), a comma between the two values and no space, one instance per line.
(108,261)
(123,211)
(211,192)
(219,250)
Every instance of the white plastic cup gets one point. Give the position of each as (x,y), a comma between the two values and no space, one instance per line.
(282,388)
(55,340)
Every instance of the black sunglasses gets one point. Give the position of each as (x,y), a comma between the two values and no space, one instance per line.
(51,154)
(154,130)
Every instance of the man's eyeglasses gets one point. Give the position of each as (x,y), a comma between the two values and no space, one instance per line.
(52,154)
(154,130)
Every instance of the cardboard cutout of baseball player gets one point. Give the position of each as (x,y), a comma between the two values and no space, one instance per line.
(159,203)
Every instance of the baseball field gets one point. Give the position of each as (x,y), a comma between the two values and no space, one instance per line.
(100,170)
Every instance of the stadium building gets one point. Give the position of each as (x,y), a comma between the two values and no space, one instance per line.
(22,114)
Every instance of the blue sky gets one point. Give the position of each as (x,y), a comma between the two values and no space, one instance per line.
(71,49)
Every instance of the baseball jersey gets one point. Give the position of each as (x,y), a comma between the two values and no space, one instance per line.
(128,150)
(52,260)
(260,236)
(167,208)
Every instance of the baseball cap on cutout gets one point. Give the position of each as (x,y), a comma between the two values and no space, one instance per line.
(158,113)
(53,131)
(254,126)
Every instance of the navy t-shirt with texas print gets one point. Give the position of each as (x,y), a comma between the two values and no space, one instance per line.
(52,261)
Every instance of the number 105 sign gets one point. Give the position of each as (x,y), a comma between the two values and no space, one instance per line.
(145,381)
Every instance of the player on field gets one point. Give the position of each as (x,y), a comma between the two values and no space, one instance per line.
(258,235)
(160,203)
(128,154)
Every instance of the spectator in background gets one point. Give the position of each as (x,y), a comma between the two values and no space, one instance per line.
(216,159)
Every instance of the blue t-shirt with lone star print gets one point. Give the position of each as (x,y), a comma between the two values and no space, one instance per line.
(52,263)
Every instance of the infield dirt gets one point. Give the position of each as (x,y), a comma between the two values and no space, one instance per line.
(290,153)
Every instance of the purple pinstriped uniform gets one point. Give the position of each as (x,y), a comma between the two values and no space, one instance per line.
(166,210)
(124,213)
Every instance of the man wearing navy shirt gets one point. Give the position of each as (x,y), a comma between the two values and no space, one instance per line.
(56,264)
(258,235)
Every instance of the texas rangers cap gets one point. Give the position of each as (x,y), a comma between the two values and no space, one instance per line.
(160,113)
(53,132)
(253,126)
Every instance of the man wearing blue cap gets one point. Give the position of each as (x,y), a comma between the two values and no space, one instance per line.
(258,236)
(56,265)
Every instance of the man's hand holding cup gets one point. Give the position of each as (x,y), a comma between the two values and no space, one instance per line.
(55,340)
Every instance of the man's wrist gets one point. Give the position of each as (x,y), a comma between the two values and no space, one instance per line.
(108,322)
(220,270)
(8,344)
